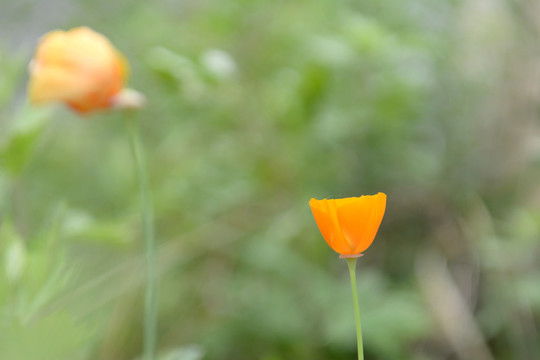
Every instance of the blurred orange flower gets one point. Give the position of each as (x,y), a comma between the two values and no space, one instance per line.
(79,67)
(349,225)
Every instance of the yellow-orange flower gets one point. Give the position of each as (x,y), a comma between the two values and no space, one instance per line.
(79,67)
(349,225)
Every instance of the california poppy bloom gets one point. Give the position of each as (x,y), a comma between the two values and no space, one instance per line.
(79,67)
(349,225)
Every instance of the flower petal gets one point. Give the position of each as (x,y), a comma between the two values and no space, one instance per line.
(323,219)
(324,212)
(360,219)
(78,67)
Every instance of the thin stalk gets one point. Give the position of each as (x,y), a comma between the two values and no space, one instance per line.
(147,217)
(351,262)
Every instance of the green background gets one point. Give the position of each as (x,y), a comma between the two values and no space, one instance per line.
(253,108)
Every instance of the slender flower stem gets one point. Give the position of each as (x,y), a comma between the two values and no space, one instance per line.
(351,262)
(147,217)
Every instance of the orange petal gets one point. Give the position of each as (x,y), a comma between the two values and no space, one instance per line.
(341,244)
(55,84)
(324,212)
(323,220)
(360,219)
(79,67)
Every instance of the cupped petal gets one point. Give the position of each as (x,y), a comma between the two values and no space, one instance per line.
(324,212)
(360,219)
(323,220)
(340,243)
(54,83)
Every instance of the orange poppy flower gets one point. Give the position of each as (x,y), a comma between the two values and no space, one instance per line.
(79,67)
(349,225)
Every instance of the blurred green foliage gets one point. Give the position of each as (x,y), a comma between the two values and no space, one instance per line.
(253,108)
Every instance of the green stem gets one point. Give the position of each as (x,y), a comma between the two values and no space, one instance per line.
(351,262)
(147,217)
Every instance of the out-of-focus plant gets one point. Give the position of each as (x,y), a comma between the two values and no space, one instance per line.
(34,273)
(82,69)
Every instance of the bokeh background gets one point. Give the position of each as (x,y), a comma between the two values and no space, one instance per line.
(253,108)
